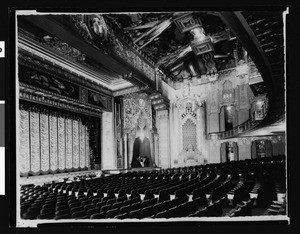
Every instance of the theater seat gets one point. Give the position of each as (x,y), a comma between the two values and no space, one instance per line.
(100,215)
(92,211)
(124,209)
(117,205)
(64,216)
(148,195)
(136,206)
(112,213)
(62,212)
(161,214)
(122,216)
(46,216)
(105,208)
(76,209)
(134,214)
(146,212)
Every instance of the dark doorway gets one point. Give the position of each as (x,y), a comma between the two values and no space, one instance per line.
(228,118)
(141,150)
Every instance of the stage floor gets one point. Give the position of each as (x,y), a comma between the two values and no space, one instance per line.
(117,171)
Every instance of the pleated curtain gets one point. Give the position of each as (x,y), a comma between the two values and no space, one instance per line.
(50,141)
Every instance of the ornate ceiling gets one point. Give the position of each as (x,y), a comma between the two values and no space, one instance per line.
(184,45)
(176,41)
(50,43)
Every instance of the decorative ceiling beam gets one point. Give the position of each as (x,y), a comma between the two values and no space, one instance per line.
(155,32)
(144,26)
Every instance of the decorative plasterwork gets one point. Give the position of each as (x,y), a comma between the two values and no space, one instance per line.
(127,91)
(135,105)
(39,63)
(63,48)
(187,93)
(33,94)
(131,57)
(48,55)
(116,44)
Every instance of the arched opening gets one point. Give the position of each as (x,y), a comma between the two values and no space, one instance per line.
(141,155)
(229,151)
(228,111)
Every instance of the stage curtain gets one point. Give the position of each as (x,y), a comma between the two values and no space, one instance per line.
(35,164)
(88,154)
(24,146)
(45,149)
(69,143)
(82,145)
(62,143)
(75,144)
(51,141)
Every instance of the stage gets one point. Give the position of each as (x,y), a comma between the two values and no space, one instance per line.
(117,171)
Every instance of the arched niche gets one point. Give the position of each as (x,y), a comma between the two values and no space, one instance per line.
(140,142)
(189,115)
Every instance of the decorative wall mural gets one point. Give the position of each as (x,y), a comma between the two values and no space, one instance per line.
(49,83)
(97,99)
(50,68)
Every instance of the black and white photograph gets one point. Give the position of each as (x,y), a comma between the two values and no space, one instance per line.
(150,116)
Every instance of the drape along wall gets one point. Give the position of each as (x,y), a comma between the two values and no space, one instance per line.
(52,140)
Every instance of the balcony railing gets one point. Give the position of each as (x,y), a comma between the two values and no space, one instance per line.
(251,123)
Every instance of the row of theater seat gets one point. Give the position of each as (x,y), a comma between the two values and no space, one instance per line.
(177,192)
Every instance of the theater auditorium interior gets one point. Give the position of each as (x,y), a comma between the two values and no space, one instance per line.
(150,116)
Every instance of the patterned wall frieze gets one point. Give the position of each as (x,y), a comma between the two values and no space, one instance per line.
(32,94)
(127,91)
(83,94)
(44,80)
(54,70)
(47,82)
(231,72)
(63,48)
(135,105)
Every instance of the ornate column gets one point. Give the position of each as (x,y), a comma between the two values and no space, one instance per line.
(163,131)
(125,151)
(156,151)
